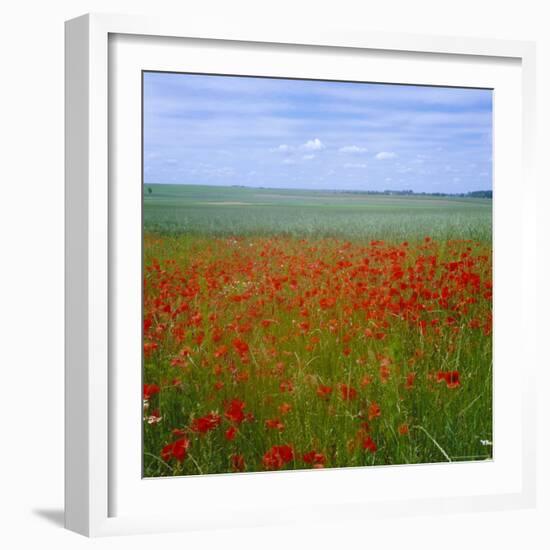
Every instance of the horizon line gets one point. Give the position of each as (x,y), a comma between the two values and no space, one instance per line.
(330,190)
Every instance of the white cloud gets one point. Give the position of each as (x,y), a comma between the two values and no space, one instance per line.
(355,165)
(385,155)
(352,149)
(289,161)
(284,148)
(313,145)
(308,157)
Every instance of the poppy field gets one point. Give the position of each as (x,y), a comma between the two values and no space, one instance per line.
(357,333)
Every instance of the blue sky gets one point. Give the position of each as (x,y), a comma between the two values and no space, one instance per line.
(260,132)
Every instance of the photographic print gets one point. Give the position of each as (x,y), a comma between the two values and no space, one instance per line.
(317,274)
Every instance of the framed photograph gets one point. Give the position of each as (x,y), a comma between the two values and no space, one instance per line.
(297,275)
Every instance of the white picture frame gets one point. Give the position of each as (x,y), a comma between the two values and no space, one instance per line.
(94,425)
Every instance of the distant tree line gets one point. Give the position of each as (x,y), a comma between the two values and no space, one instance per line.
(472,194)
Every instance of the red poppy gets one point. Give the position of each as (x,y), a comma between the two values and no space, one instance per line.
(366,380)
(206,423)
(277,457)
(285,408)
(324,391)
(451,378)
(149,390)
(147,323)
(369,445)
(286,386)
(149,348)
(241,347)
(221,351)
(327,303)
(317,460)
(403,429)
(230,433)
(348,393)
(409,384)
(242,376)
(374,410)
(275,424)
(216,335)
(185,351)
(235,411)
(176,450)
(384,374)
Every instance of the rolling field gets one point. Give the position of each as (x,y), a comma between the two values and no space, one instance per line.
(227,211)
(294,329)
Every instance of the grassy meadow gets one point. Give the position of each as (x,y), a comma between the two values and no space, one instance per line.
(290,329)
